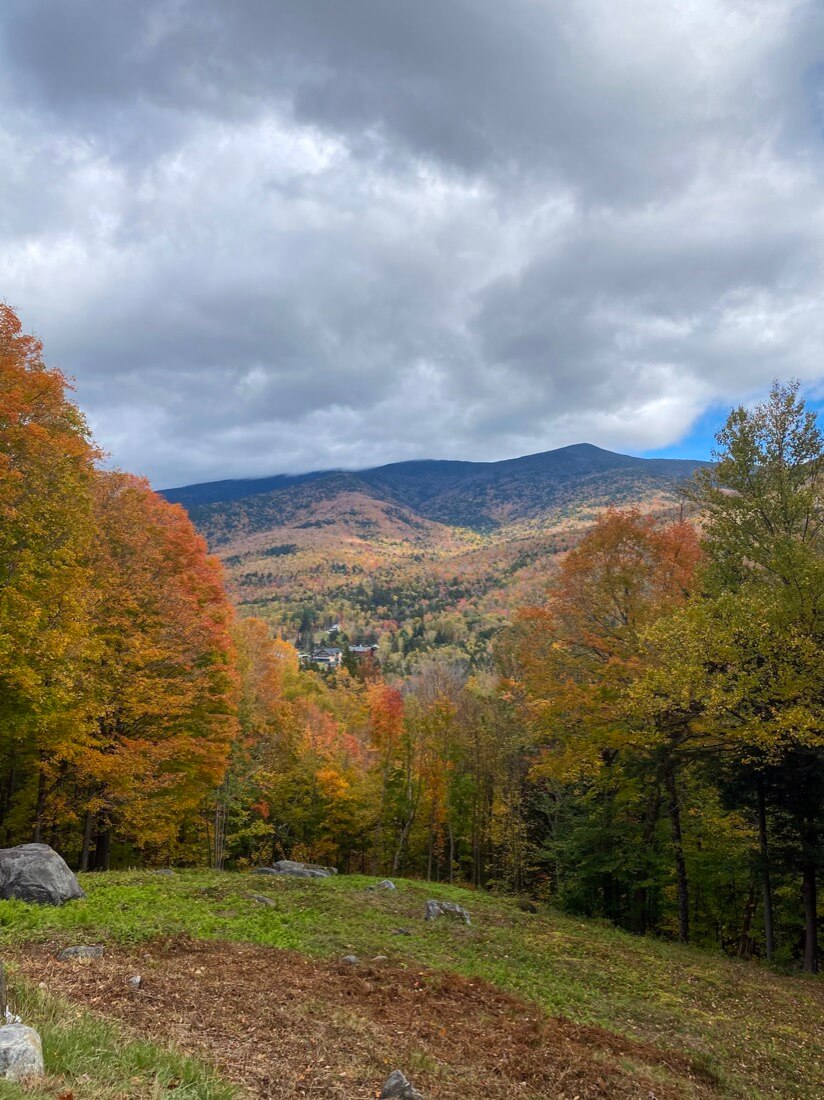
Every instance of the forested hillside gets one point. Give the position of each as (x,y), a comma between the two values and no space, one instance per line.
(642,741)
(415,557)
(477,495)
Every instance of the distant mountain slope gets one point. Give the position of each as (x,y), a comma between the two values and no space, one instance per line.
(345,502)
(482,496)
(214,492)
(415,556)
(487,496)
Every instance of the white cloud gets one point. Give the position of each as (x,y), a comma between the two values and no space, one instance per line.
(272,237)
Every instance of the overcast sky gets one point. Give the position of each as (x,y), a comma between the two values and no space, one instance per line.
(276,235)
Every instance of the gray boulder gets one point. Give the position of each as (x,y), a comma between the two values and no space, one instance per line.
(398,1087)
(435,909)
(292,867)
(21,1052)
(36,873)
(82,951)
(296,870)
(350,960)
(384,884)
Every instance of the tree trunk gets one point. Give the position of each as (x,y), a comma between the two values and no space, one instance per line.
(640,904)
(103,848)
(8,793)
(608,892)
(766,881)
(745,942)
(476,842)
(37,835)
(487,849)
(219,853)
(808,891)
(680,862)
(409,820)
(403,836)
(85,851)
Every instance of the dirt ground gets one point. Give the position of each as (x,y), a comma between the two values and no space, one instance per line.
(282,1025)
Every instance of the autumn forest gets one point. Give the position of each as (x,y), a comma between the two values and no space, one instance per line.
(634,730)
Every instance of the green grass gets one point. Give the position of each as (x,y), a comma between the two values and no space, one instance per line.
(96,1060)
(757,1032)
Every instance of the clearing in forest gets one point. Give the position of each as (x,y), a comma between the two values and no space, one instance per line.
(243,998)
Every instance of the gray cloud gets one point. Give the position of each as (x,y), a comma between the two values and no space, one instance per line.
(277,236)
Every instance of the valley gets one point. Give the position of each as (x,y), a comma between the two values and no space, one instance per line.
(419,556)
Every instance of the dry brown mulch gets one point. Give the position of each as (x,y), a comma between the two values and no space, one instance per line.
(283,1025)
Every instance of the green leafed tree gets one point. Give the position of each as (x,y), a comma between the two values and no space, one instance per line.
(747,660)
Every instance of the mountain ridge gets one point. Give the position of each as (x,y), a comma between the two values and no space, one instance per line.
(577,459)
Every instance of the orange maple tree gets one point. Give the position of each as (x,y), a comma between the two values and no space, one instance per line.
(166,681)
(47,472)
(578,651)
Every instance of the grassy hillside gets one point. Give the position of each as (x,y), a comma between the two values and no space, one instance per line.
(638,1017)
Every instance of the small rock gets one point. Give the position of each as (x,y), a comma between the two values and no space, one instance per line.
(84,951)
(21,1052)
(398,1087)
(350,960)
(401,932)
(435,909)
(261,899)
(380,958)
(135,982)
(384,884)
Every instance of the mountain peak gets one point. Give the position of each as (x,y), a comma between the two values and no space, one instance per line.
(478,495)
